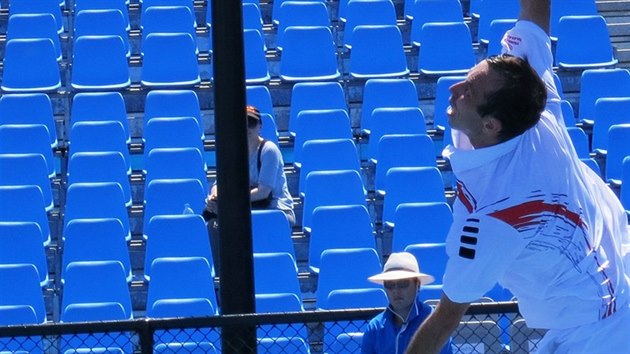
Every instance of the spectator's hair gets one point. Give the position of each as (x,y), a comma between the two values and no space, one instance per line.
(518,103)
(253,116)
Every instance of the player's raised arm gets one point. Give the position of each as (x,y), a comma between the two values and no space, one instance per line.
(537,11)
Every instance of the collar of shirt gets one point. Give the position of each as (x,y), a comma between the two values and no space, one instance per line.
(463,160)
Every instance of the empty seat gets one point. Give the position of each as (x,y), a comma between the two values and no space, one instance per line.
(176,163)
(95,240)
(30,65)
(330,95)
(492,10)
(580,141)
(21,243)
(100,106)
(107,166)
(394,120)
(367,12)
(432,258)
(102,22)
(176,236)
(252,19)
(276,273)
(27,169)
(561,8)
(27,139)
(25,203)
(29,108)
(600,83)
(34,25)
(100,63)
(147,4)
(283,345)
(618,149)
(172,197)
(347,342)
(583,42)
(168,19)
(187,347)
(377,52)
(319,124)
(169,60)
(308,54)
(593,165)
(568,114)
(381,93)
(158,133)
(260,97)
(99,136)
(495,35)
(173,103)
(424,11)
(256,70)
(120,5)
(271,232)
(278,302)
(300,13)
(608,112)
(421,223)
(446,49)
(38,7)
(20,287)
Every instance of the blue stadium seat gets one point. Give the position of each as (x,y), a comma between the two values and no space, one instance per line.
(442,95)
(96,350)
(169,61)
(260,97)
(583,43)
(561,8)
(421,223)
(494,10)
(34,25)
(330,95)
(100,63)
(256,69)
(347,343)
(410,150)
(608,112)
(300,13)
(95,240)
(568,114)
(21,243)
(252,19)
(29,108)
(278,302)
(176,236)
(99,136)
(25,204)
(380,93)
(38,7)
(580,141)
(308,54)
(158,133)
(319,125)
(394,120)
(100,106)
(147,4)
(278,345)
(168,19)
(30,65)
(173,163)
(120,5)
(356,298)
(432,260)
(446,49)
(276,273)
(593,165)
(107,166)
(271,232)
(624,193)
(269,128)
(367,12)
(600,83)
(558,83)
(102,22)
(27,139)
(423,11)
(171,197)
(27,169)
(346,269)
(495,35)
(339,226)
(111,203)
(173,103)
(377,52)
(187,347)
(401,186)
(618,149)
(169,308)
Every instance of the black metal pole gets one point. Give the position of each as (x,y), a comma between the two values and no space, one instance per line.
(235,244)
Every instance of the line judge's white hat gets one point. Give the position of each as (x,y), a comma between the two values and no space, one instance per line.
(401,265)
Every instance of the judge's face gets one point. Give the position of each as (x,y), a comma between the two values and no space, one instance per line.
(401,293)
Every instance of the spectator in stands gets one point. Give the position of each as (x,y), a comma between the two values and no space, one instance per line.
(529,214)
(390,331)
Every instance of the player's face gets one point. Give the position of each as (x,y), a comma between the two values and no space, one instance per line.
(401,294)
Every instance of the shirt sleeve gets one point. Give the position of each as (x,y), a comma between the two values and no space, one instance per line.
(480,251)
(367,343)
(270,162)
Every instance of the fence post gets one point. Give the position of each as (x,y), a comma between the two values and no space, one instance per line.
(146,337)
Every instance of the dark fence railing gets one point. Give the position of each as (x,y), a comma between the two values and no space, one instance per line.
(486,328)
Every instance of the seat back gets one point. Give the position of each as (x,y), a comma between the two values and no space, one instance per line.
(330,95)
(100,63)
(561,8)
(308,54)
(608,112)
(580,141)
(173,103)
(431,258)
(34,25)
(28,108)
(300,13)
(271,232)
(107,166)
(600,83)
(21,243)
(421,223)
(100,106)
(168,19)
(256,69)
(382,93)
(432,11)
(102,22)
(158,133)
(377,52)
(276,273)
(169,60)
(99,136)
(394,120)
(583,42)
(25,139)
(496,31)
(20,286)
(367,12)
(120,5)
(446,49)
(25,203)
(172,197)
(618,149)
(38,7)
(176,163)
(329,154)
(495,10)
(30,65)
(319,125)
(27,169)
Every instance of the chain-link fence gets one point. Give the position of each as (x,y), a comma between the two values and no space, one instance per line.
(486,328)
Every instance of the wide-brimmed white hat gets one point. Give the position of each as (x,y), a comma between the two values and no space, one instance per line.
(402,265)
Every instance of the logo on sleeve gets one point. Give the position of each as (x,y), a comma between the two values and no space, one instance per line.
(468,239)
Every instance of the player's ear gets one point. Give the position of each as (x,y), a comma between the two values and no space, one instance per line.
(492,125)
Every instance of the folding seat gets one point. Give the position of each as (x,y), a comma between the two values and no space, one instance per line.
(256,70)
(558,83)
(277,345)
(300,13)
(276,273)
(308,54)
(348,183)
(37,25)
(120,5)
(100,106)
(608,112)
(600,83)
(377,52)
(21,243)
(583,43)
(29,108)
(27,169)
(260,97)
(330,154)
(580,141)
(173,103)
(485,335)
(339,226)
(379,93)
(97,350)
(402,186)
(367,12)
(252,19)
(172,197)
(30,65)
(347,343)
(147,4)
(524,339)
(188,347)
(568,114)
(27,139)
(421,223)
(404,150)
(174,163)
(561,8)
(169,61)
(624,192)
(95,240)
(102,22)
(442,96)
(432,259)
(278,302)
(111,203)
(495,34)
(618,149)
(168,19)
(319,125)
(269,130)
(25,204)
(100,63)
(107,166)
(446,49)
(345,269)
(271,232)
(330,95)
(394,120)
(176,236)
(38,7)
(158,133)
(425,11)
(99,136)
(495,10)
